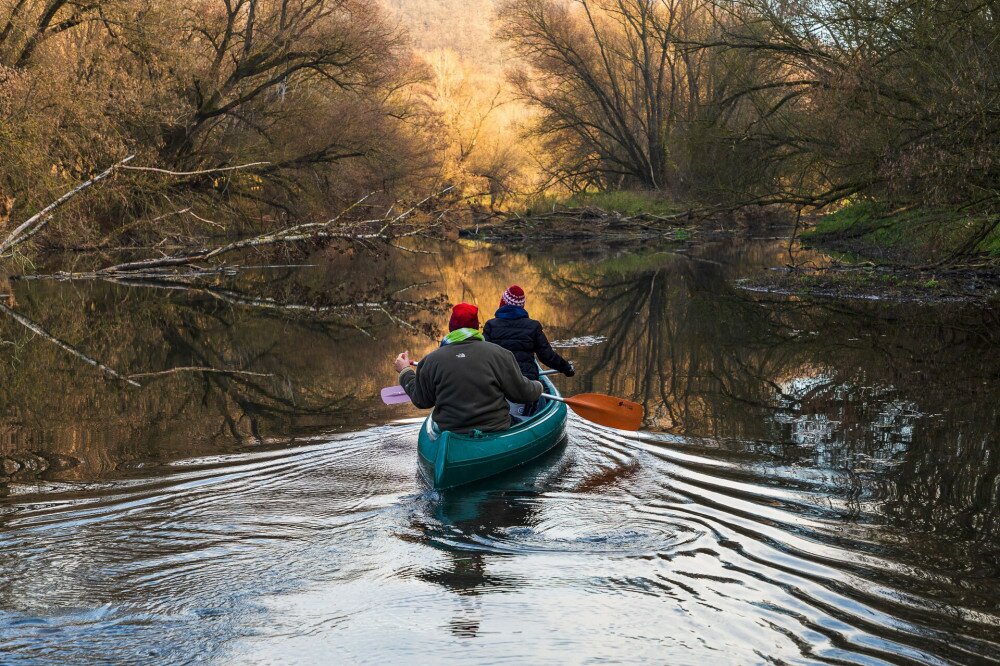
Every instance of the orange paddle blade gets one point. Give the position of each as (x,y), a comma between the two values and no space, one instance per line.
(607,410)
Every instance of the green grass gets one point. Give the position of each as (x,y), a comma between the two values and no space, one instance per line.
(919,234)
(991,245)
(850,218)
(626,202)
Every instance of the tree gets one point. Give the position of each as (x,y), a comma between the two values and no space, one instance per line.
(629,97)
(606,79)
(319,90)
(26,24)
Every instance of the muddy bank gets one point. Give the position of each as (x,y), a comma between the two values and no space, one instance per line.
(592,223)
(584,226)
(889,283)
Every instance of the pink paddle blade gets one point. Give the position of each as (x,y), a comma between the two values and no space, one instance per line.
(394,395)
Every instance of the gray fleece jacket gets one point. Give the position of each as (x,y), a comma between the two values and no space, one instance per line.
(468,384)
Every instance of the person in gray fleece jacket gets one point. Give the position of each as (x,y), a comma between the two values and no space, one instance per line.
(467,381)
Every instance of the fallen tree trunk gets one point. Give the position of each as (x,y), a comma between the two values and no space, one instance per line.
(37,222)
(300,232)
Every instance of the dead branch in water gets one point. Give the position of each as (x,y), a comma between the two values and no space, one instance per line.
(198,368)
(65,346)
(300,232)
(37,222)
(265,303)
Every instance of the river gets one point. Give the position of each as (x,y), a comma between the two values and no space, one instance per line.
(816,481)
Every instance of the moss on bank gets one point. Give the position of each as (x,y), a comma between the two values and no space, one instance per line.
(625,202)
(920,254)
(908,236)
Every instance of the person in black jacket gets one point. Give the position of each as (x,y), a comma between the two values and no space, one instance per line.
(516,332)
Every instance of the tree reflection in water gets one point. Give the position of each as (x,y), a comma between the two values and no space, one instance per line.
(899,401)
(785,437)
(285,327)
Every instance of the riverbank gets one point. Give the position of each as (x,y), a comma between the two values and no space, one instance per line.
(939,255)
(618,216)
(868,281)
(922,255)
(911,237)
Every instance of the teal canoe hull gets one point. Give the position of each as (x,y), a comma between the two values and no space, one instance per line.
(448,459)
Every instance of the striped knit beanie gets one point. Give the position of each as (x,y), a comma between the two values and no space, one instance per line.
(514,295)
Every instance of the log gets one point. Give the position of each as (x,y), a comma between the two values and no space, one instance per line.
(36,222)
(194,368)
(298,232)
(196,173)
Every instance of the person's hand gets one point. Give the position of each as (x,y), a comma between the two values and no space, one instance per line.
(402,361)
(571,371)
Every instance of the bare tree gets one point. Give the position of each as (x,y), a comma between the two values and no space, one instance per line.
(605,76)
(26,24)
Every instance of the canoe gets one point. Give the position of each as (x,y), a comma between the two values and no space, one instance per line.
(448,459)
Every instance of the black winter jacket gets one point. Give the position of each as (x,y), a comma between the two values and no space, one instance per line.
(515,331)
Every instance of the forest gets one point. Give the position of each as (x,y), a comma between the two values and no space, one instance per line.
(252,250)
(243,116)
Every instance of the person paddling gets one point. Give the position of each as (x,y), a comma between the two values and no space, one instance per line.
(467,380)
(523,336)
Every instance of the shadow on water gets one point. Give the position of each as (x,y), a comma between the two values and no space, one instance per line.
(817,481)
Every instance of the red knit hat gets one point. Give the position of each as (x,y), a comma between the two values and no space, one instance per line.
(513,296)
(464,315)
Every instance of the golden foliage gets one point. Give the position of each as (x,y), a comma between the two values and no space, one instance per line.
(321,90)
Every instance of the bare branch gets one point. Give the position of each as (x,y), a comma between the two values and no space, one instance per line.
(33,224)
(193,368)
(195,173)
(65,346)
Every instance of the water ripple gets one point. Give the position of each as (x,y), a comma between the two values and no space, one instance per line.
(654,547)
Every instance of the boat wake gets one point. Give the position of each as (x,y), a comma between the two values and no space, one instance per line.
(620,546)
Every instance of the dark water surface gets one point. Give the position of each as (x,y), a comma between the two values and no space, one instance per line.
(817,481)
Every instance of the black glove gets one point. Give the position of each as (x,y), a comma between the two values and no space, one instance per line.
(571,371)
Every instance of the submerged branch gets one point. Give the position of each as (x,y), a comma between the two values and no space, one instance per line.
(65,346)
(197,368)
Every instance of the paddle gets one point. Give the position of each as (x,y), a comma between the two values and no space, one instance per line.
(395,395)
(605,410)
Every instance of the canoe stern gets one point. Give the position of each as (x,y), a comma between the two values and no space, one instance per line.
(448,459)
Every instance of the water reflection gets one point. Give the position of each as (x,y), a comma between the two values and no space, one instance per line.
(817,480)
